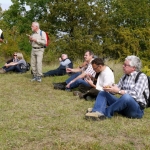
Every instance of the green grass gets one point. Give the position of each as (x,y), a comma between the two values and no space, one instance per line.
(34,116)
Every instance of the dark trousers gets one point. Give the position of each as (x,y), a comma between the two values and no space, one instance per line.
(56,72)
(88,91)
(15,68)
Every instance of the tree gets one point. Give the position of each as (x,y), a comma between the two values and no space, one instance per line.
(110,28)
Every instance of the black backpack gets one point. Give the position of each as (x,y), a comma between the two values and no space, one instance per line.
(28,66)
(25,68)
(146,98)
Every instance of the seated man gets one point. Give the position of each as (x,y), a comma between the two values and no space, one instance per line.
(80,75)
(104,76)
(132,101)
(65,62)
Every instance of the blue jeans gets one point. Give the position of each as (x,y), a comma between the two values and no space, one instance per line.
(107,104)
(15,68)
(77,82)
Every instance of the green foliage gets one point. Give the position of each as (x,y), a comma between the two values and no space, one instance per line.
(111,29)
(146,70)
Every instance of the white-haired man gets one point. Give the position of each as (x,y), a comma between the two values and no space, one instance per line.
(132,101)
(38,42)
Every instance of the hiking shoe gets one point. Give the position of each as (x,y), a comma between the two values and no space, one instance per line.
(60,83)
(89,110)
(95,116)
(76,93)
(81,95)
(59,86)
(68,90)
(39,79)
(44,75)
(2,70)
(34,79)
(88,98)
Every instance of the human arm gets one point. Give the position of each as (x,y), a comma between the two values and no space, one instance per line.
(90,81)
(11,64)
(73,70)
(81,76)
(38,39)
(129,86)
(65,62)
(83,64)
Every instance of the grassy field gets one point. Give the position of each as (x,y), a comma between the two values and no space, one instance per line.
(34,116)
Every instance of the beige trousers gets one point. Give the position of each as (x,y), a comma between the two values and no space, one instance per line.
(36,61)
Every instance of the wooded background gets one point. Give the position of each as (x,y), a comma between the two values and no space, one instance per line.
(109,28)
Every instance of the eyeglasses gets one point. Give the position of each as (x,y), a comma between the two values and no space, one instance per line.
(95,68)
(125,65)
(15,55)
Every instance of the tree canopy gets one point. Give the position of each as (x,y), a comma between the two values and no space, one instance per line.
(110,28)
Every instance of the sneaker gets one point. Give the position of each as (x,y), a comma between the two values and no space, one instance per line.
(39,79)
(95,116)
(89,110)
(76,93)
(34,79)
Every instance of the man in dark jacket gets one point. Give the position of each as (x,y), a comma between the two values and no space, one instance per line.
(65,62)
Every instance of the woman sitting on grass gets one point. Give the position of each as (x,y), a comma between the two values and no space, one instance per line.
(13,59)
(14,66)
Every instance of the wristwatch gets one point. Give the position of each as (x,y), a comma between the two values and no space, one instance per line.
(119,91)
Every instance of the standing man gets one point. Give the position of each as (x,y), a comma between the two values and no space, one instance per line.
(38,41)
(132,101)
(1,36)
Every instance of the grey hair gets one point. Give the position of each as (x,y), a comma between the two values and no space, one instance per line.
(36,24)
(134,61)
(65,55)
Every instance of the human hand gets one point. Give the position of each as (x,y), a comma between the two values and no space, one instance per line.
(68,70)
(68,85)
(60,59)
(111,88)
(32,39)
(89,80)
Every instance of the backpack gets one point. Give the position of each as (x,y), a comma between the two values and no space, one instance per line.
(47,39)
(28,66)
(146,98)
(25,68)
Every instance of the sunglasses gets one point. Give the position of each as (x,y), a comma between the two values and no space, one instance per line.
(15,55)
